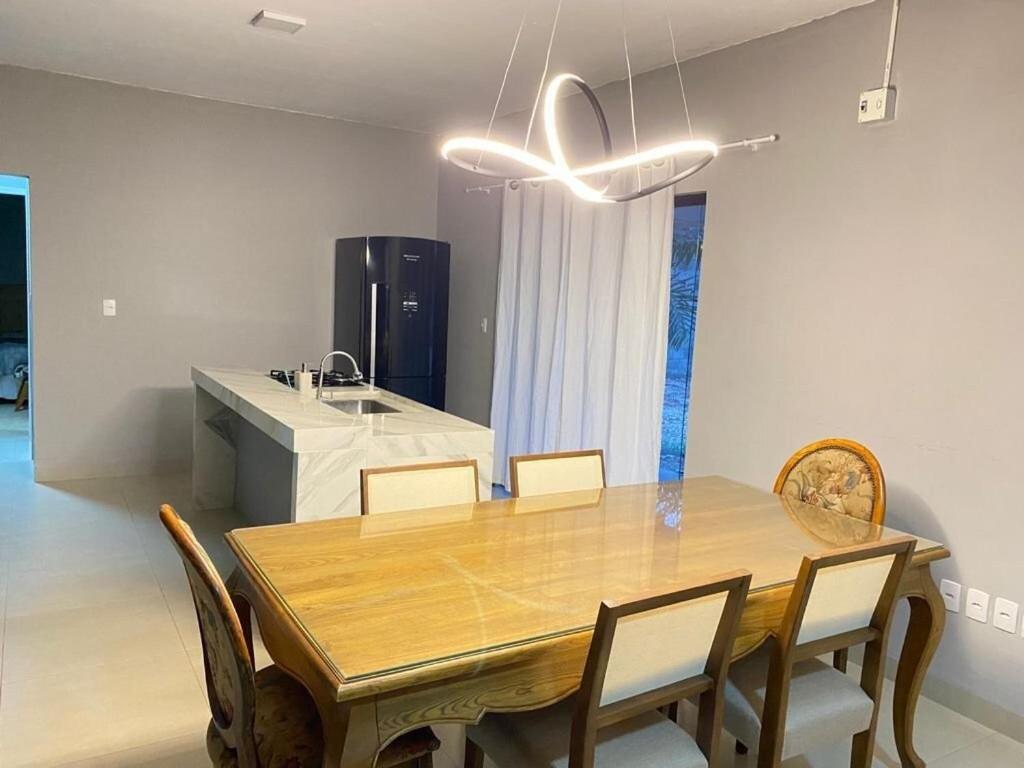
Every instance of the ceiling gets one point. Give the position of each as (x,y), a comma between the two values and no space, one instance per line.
(427,65)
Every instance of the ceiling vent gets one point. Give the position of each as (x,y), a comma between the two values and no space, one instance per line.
(278,22)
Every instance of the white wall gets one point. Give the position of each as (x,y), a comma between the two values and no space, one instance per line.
(866,281)
(211,224)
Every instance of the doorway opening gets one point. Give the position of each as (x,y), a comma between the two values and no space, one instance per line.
(687,242)
(15,403)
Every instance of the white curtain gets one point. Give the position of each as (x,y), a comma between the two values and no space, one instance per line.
(581,327)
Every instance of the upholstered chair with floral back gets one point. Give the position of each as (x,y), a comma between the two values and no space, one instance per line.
(265,718)
(839,475)
(836,474)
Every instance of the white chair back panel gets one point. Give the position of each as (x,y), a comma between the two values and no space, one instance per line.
(660,647)
(559,474)
(420,488)
(844,597)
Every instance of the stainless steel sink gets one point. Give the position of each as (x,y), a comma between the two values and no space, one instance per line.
(360,407)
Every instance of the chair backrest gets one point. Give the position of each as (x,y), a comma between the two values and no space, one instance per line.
(227,655)
(419,486)
(846,597)
(659,650)
(840,599)
(837,474)
(540,473)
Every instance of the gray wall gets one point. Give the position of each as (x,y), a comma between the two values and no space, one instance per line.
(211,224)
(865,281)
(472,223)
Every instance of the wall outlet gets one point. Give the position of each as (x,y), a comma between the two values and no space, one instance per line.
(109,307)
(1005,615)
(950,595)
(977,605)
(877,105)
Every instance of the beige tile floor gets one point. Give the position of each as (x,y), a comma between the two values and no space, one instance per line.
(13,433)
(100,662)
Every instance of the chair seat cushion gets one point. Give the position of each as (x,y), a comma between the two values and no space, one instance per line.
(288,732)
(825,705)
(540,739)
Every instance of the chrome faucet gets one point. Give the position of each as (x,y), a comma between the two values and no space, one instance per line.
(356,373)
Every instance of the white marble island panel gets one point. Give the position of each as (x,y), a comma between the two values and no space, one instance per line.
(279,456)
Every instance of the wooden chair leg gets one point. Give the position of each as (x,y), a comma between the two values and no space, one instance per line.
(840,659)
(474,755)
(863,751)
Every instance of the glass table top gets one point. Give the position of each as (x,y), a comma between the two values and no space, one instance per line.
(391,592)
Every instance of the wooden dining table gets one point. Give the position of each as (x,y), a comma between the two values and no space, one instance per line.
(406,619)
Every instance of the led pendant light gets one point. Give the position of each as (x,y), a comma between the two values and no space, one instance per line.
(468,151)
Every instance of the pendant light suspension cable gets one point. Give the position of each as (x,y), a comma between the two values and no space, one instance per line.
(679,71)
(504,78)
(543,75)
(698,152)
(508,68)
(632,105)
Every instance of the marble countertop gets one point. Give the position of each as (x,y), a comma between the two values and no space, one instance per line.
(302,424)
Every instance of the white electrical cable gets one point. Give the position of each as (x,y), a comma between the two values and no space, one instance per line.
(887,76)
(543,75)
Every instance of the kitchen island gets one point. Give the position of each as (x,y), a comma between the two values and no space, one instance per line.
(278,456)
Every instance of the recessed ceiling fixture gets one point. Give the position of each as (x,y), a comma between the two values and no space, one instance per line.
(279,22)
(469,151)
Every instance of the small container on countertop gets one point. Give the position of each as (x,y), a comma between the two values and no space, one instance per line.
(304,382)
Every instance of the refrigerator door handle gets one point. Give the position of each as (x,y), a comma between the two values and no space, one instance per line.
(373,331)
(378,303)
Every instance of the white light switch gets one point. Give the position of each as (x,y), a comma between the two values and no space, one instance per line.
(950,595)
(109,307)
(483,325)
(1005,616)
(977,605)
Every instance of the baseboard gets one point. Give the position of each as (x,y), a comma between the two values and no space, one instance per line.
(960,701)
(56,471)
(969,705)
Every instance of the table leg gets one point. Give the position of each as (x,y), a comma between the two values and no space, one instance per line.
(350,735)
(927,620)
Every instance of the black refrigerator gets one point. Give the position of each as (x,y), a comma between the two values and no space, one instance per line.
(391,313)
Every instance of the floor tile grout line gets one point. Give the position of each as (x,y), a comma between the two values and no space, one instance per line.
(124,751)
(962,747)
(973,745)
(163,594)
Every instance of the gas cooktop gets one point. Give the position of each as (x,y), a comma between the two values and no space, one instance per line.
(333,378)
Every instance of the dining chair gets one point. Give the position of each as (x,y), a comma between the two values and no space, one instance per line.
(644,654)
(263,719)
(539,473)
(418,486)
(781,699)
(839,475)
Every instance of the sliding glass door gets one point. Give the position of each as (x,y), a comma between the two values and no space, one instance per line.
(687,239)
